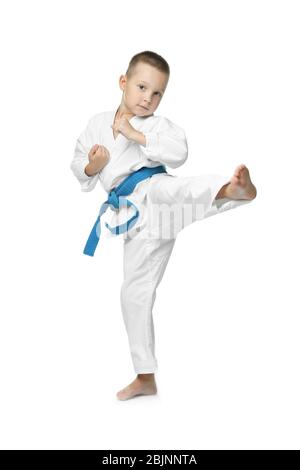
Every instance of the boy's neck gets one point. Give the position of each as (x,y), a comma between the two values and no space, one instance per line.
(122,111)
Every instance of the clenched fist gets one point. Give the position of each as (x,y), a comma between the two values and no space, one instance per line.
(98,158)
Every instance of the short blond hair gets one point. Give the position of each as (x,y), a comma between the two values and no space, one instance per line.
(148,57)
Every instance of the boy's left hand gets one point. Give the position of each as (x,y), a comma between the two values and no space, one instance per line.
(123,126)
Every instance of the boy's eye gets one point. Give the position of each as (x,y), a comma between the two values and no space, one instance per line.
(156,93)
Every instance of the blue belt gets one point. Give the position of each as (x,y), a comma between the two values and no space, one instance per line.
(115,201)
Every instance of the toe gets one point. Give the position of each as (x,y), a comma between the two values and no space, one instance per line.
(239,170)
(122,395)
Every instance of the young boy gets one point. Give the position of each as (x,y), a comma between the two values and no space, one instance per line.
(130,143)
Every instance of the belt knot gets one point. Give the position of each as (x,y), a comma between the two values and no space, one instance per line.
(113,199)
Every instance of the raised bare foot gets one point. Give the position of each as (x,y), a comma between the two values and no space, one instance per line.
(140,386)
(240,186)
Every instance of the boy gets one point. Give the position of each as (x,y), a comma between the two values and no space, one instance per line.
(129,143)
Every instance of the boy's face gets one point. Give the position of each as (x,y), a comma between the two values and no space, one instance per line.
(143,92)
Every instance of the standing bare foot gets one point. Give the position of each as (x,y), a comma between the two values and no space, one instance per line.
(240,186)
(144,384)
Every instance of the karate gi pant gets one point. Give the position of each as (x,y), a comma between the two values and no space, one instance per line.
(149,244)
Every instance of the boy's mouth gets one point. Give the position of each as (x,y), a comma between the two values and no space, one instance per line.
(143,107)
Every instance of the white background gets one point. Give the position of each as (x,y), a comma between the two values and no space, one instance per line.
(227,311)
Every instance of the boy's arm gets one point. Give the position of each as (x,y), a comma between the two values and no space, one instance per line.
(166,143)
(80,161)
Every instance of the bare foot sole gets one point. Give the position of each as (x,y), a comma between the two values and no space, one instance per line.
(137,388)
(240,186)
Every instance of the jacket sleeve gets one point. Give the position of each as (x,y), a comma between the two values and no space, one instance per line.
(166,144)
(81,159)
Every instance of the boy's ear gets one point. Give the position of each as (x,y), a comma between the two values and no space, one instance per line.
(122,81)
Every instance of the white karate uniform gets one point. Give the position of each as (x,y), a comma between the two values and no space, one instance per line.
(166,205)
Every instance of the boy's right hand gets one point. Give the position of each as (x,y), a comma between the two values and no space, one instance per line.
(98,157)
